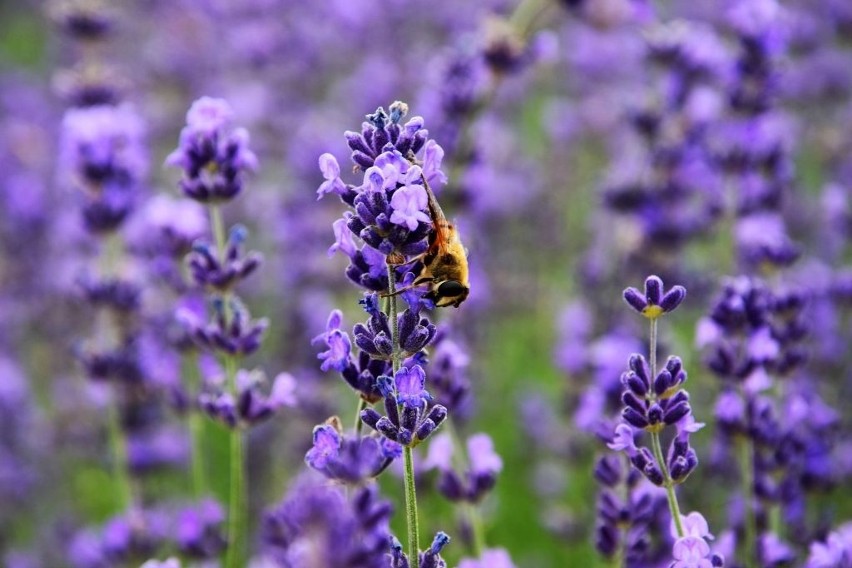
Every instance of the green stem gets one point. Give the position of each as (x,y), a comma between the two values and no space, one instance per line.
(657,446)
(392,318)
(236,520)
(362,405)
(674,508)
(477,529)
(108,331)
(118,448)
(747,474)
(237,501)
(411,508)
(525,15)
(196,429)
(408,458)
(217,225)
(237,493)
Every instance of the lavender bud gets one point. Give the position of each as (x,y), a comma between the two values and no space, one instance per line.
(388,429)
(370,417)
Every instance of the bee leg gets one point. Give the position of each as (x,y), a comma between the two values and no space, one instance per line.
(414,284)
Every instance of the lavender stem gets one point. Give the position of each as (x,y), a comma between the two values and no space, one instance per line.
(118,448)
(408,458)
(115,430)
(196,428)
(218,227)
(656,446)
(362,405)
(237,491)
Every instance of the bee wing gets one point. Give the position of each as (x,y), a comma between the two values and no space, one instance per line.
(443,230)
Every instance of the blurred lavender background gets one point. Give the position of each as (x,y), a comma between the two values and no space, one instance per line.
(586,144)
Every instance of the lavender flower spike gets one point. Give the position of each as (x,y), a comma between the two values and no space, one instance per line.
(410,385)
(654,303)
(214,158)
(409,420)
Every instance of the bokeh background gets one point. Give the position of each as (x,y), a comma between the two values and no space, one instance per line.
(588,144)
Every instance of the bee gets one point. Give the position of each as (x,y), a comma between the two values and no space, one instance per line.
(445,261)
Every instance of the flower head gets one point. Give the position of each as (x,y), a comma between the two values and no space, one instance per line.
(326,446)
(214,158)
(654,303)
(337,341)
(411,386)
(409,206)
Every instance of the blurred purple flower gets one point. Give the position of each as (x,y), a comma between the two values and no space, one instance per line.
(490,558)
(214,159)
(337,341)
(834,552)
(298,532)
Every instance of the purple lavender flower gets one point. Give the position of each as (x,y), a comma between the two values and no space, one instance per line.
(153,447)
(251,405)
(480,476)
(351,461)
(390,206)
(751,327)
(627,507)
(411,387)
(210,272)
(214,159)
(415,332)
(84,21)
(383,128)
(691,550)
(298,532)
(654,303)
(103,156)
(326,446)
(834,552)
(167,563)
(430,558)
(409,204)
(652,406)
(490,558)
(199,529)
(331,173)
(135,535)
(774,552)
(694,552)
(238,336)
(415,421)
(337,341)
(343,240)
(448,381)
(162,232)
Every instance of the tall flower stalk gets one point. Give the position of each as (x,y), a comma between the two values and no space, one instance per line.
(653,401)
(104,159)
(392,223)
(215,160)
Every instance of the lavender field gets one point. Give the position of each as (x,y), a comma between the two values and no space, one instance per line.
(408,284)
